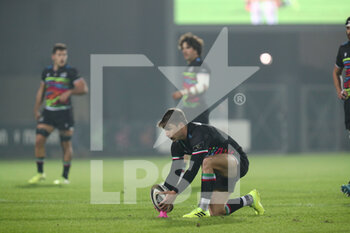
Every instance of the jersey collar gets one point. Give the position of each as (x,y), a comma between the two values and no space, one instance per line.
(195,61)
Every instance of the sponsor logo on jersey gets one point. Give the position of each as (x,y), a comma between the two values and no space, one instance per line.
(198,146)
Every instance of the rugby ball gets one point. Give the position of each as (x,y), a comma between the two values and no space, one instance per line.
(157,197)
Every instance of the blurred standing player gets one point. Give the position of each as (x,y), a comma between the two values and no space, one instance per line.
(260,9)
(196,79)
(59,82)
(343,63)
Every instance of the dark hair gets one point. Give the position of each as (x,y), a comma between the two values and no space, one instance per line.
(193,41)
(347,22)
(58,46)
(173,116)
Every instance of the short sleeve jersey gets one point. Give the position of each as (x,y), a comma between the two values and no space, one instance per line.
(190,80)
(57,82)
(343,61)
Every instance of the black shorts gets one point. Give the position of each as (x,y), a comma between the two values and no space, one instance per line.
(225,184)
(347,113)
(61,119)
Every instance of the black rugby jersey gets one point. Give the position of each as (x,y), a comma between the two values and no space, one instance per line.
(57,82)
(190,80)
(343,61)
(202,140)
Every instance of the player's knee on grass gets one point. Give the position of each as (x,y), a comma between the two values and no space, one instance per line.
(232,167)
(217,209)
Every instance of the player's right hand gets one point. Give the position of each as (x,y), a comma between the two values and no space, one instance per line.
(169,199)
(343,95)
(177,95)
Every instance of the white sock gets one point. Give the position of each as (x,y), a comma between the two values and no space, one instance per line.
(204,204)
(247,200)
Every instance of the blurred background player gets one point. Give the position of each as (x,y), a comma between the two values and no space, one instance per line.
(343,63)
(196,79)
(222,160)
(345,188)
(263,10)
(59,82)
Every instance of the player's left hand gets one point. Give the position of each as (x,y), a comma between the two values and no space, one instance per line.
(169,199)
(177,95)
(65,96)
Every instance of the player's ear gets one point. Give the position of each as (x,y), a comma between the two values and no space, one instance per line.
(181,125)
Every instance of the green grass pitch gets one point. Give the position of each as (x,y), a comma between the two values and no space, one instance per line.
(299,193)
(234,12)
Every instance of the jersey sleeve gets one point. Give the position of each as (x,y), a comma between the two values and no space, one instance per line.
(177,152)
(190,174)
(177,166)
(199,151)
(43,75)
(204,68)
(339,59)
(74,75)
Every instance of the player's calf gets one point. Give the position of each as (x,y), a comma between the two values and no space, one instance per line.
(40,141)
(65,137)
(40,151)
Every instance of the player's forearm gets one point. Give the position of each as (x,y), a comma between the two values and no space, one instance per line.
(201,86)
(79,91)
(80,87)
(336,81)
(190,174)
(185,181)
(38,100)
(174,174)
(37,106)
